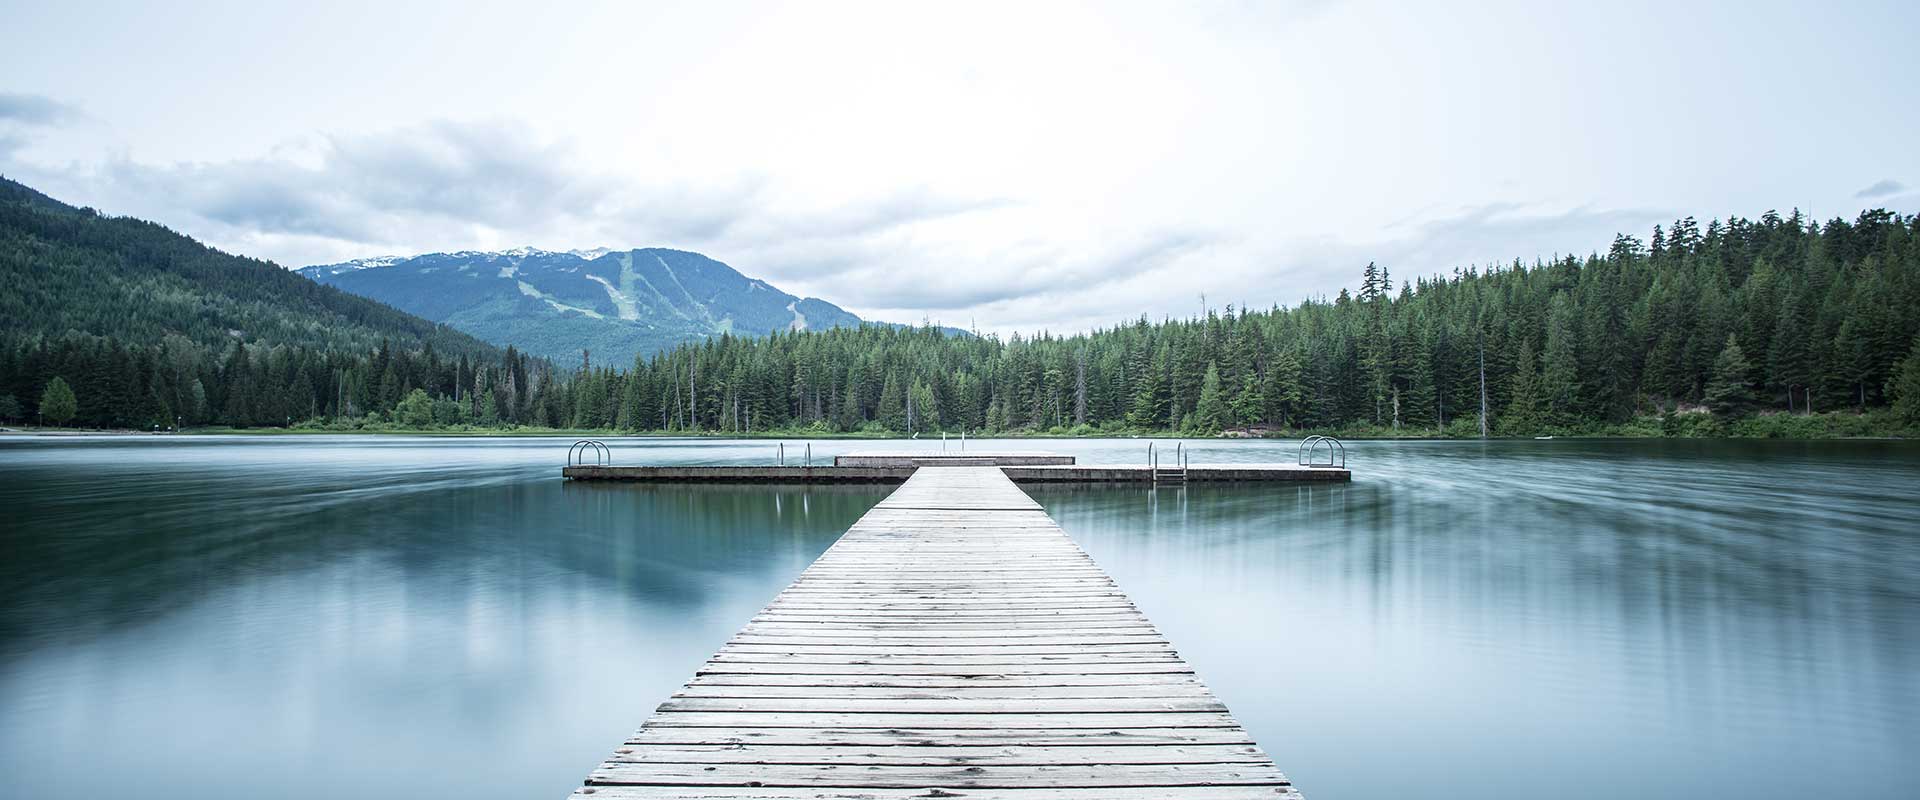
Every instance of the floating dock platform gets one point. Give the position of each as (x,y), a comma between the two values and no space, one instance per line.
(953,643)
(1003,459)
(898,467)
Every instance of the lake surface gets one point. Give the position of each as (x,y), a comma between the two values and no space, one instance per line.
(320,617)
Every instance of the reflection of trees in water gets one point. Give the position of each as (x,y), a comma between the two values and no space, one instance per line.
(84,559)
(1688,569)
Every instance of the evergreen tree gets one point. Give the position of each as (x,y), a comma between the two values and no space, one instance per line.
(1791,359)
(1523,412)
(1281,390)
(237,383)
(1559,374)
(926,408)
(1905,387)
(1250,403)
(1730,391)
(1149,404)
(892,411)
(848,416)
(1210,413)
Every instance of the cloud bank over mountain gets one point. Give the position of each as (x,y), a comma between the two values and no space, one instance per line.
(909,162)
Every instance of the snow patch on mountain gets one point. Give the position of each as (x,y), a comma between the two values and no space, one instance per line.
(628,310)
(356,265)
(528,290)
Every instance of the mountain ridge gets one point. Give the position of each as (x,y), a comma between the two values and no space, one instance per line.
(617,304)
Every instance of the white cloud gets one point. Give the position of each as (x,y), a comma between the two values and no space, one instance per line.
(1056,165)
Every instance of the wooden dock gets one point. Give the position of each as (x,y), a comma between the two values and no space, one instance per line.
(953,643)
(1028,473)
(953,459)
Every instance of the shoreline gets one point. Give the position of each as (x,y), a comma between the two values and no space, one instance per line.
(804,435)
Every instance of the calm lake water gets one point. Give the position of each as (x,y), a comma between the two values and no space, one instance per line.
(322,617)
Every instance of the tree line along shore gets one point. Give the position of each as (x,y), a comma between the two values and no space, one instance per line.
(1770,327)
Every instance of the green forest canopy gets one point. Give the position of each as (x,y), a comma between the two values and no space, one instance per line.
(1740,315)
(1820,317)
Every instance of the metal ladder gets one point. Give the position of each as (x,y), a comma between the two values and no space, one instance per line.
(1174,474)
(584,449)
(1310,447)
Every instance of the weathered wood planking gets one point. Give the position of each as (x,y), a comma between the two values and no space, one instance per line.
(954,643)
(901,471)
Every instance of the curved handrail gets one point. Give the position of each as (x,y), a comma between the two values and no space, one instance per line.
(1301,457)
(1310,447)
(577,453)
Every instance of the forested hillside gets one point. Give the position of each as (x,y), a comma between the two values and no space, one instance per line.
(1733,318)
(147,327)
(1690,331)
(73,269)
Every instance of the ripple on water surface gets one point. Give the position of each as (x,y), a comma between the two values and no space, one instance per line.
(378,616)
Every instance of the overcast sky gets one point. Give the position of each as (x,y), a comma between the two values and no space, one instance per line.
(1019,167)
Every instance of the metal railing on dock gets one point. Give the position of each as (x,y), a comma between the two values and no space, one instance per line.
(577,453)
(1173,474)
(1310,447)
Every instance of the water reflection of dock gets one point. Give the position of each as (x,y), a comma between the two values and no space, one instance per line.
(953,643)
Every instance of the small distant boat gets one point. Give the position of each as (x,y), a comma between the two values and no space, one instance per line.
(1543,438)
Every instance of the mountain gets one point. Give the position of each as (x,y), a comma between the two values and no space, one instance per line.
(65,269)
(617,304)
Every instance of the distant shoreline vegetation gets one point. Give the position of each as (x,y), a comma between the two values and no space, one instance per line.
(1775,328)
(1698,424)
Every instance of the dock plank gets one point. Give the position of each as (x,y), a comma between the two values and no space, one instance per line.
(1275,792)
(954,642)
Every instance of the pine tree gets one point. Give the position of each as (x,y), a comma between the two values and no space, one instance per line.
(1905,386)
(1522,414)
(1080,387)
(1281,389)
(1560,372)
(1791,359)
(1149,404)
(1250,403)
(847,416)
(926,409)
(1210,413)
(892,411)
(391,387)
(1608,364)
(1730,391)
(237,408)
(1375,343)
